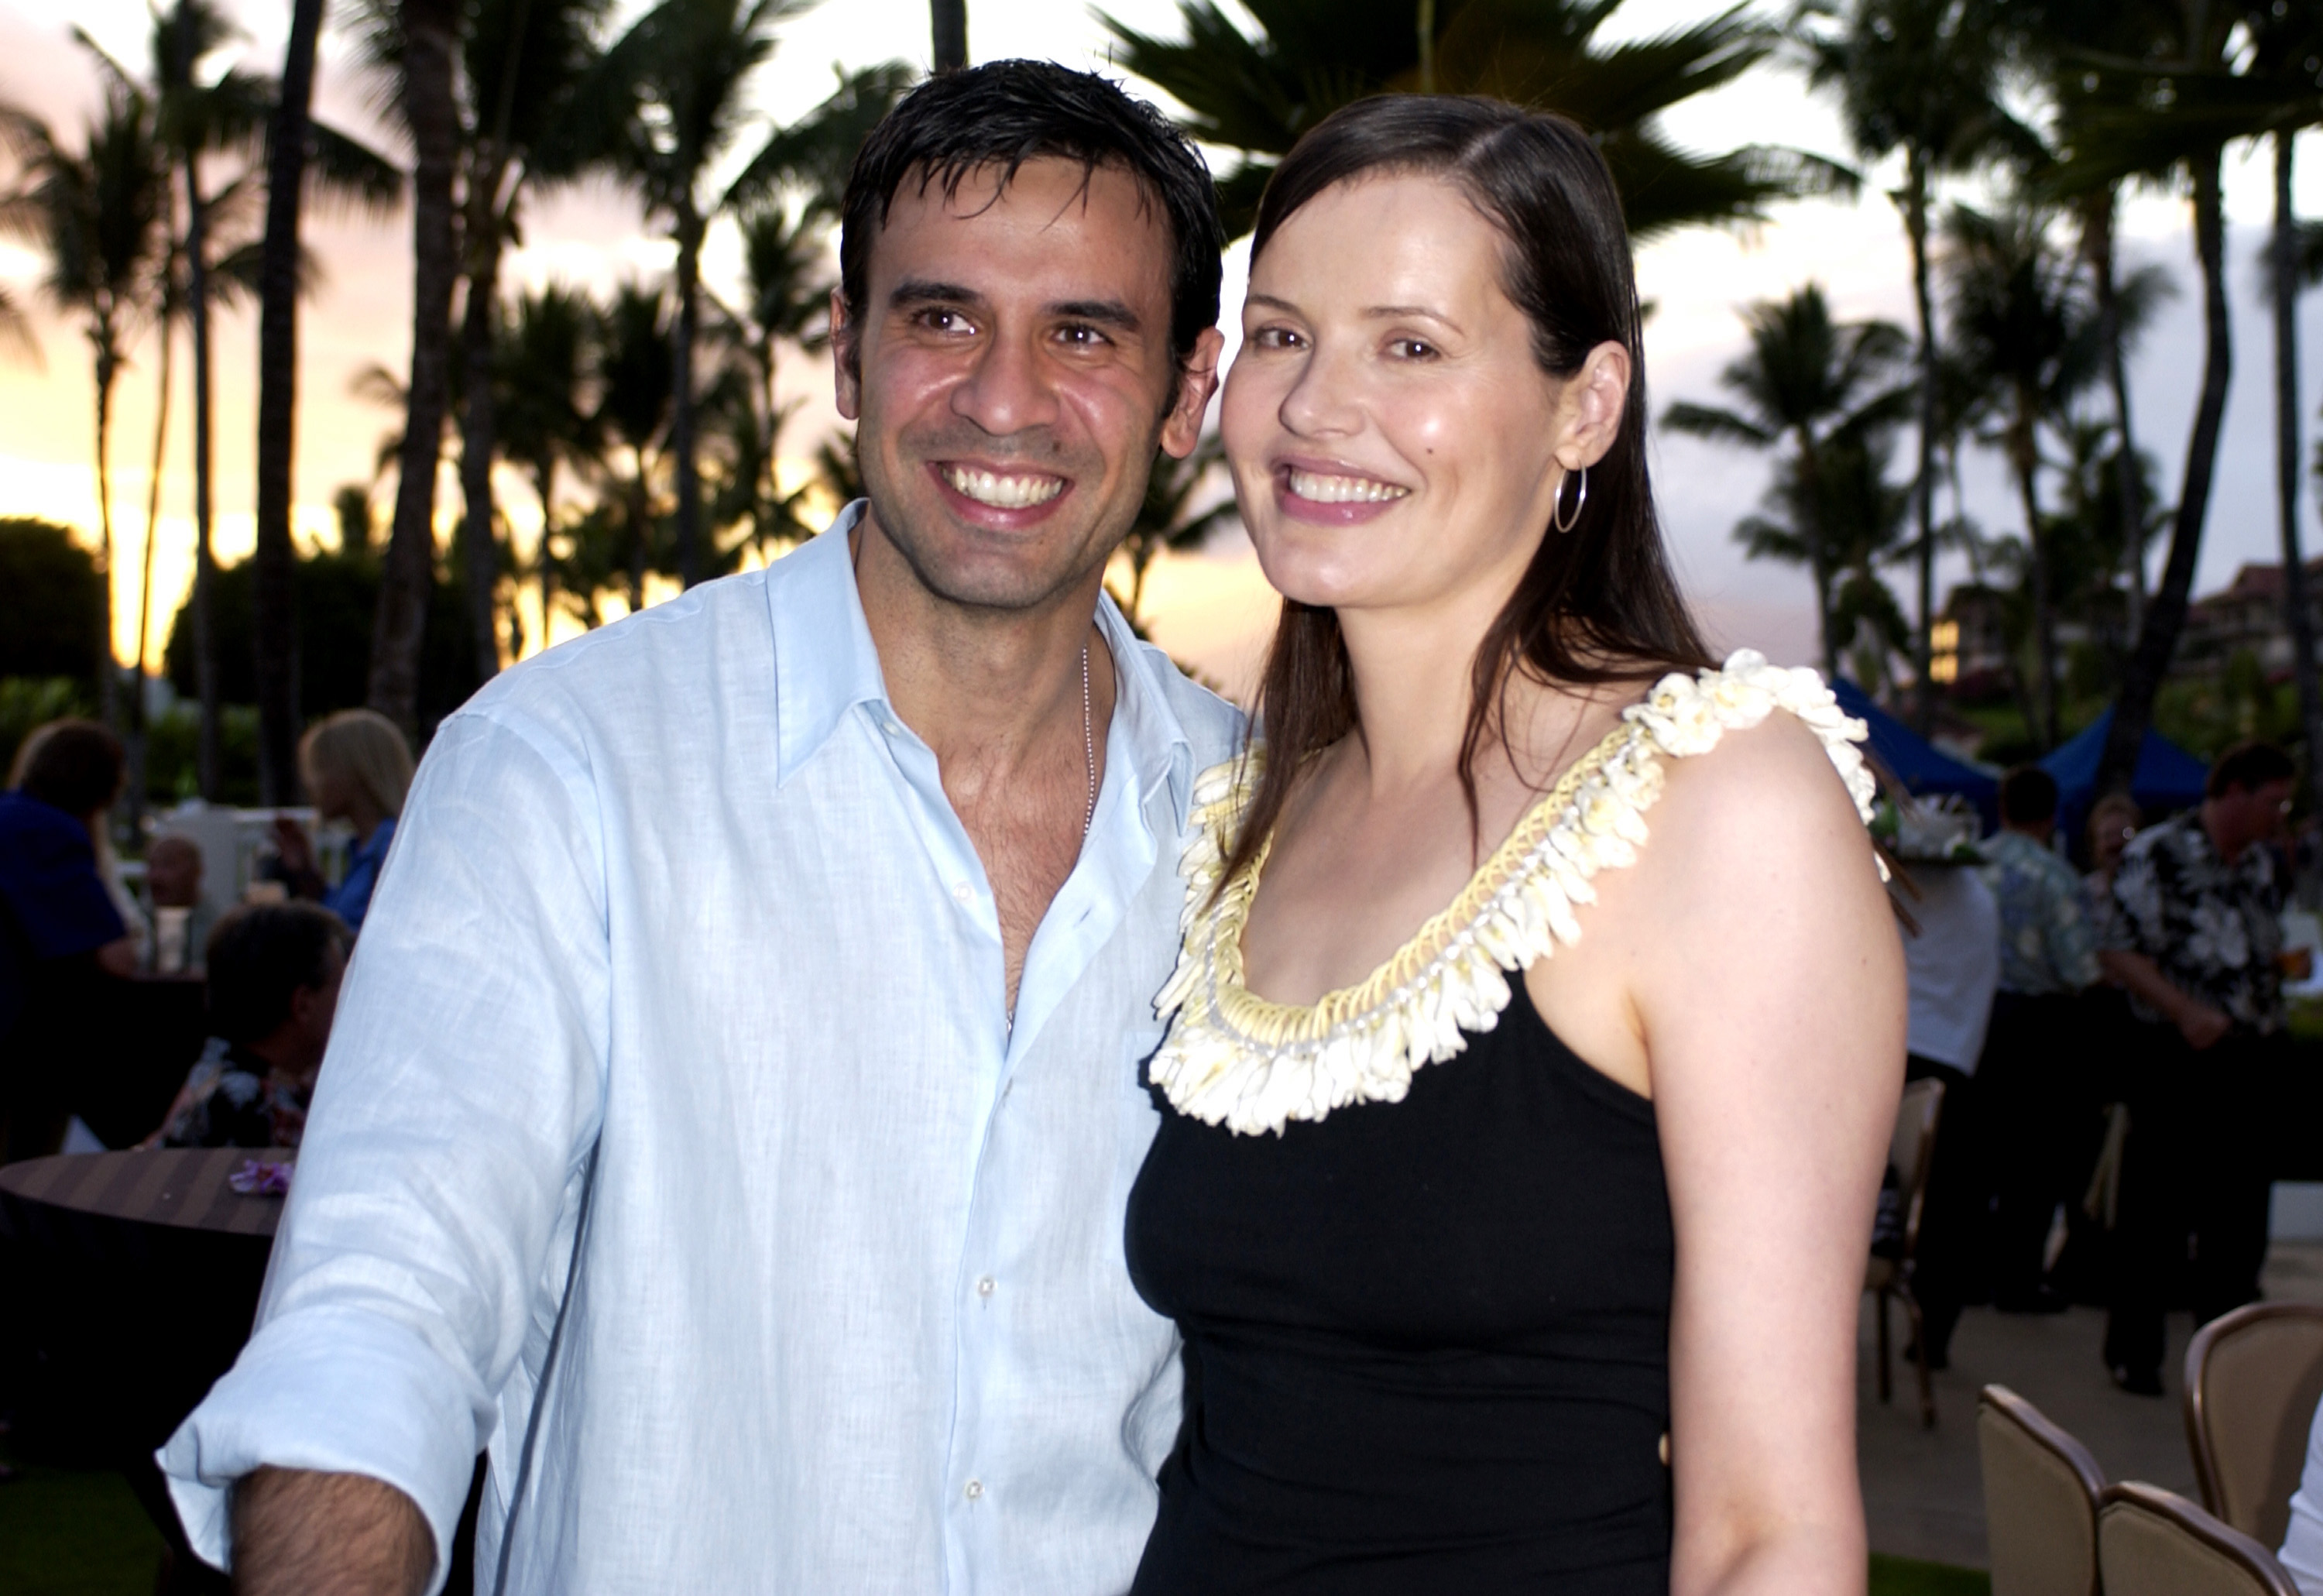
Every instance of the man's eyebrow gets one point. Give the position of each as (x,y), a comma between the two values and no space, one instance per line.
(921,291)
(1106,313)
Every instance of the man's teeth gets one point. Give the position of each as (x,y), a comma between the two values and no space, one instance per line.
(1325,489)
(1002,492)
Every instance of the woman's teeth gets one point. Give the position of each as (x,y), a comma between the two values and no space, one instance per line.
(1325,489)
(1002,492)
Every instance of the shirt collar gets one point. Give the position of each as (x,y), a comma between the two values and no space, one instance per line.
(825,662)
(826,665)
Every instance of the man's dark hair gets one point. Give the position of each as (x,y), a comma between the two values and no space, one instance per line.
(260,956)
(72,765)
(2249,765)
(2028,796)
(1004,114)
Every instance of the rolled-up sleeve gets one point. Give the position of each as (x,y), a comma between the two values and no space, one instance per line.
(456,1105)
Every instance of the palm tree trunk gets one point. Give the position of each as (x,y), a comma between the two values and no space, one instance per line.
(1924,489)
(430,30)
(2165,618)
(478,429)
(544,560)
(2098,246)
(206,657)
(2023,464)
(137,726)
(948,26)
(2296,617)
(109,671)
(681,398)
(277,397)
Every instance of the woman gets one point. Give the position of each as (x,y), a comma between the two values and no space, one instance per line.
(356,768)
(1493,1284)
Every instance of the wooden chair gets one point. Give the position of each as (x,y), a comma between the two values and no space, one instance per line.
(2040,1491)
(2252,1379)
(2152,1542)
(1910,1151)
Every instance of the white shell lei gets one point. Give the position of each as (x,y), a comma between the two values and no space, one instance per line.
(1233,1057)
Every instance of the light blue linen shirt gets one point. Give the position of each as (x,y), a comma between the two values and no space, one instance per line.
(684,903)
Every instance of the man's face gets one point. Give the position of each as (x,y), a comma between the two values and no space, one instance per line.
(1012,378)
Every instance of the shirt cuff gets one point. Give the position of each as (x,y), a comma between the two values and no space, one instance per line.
(335,1393)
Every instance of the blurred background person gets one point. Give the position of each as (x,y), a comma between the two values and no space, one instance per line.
(1952,958)
(62,936)
(2038,1099)
(2191,929)
(173,894)
(2114,819)
(356,768)
(274,974)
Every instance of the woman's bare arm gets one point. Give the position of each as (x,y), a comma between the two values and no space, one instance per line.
(1770,991)
(302,1533)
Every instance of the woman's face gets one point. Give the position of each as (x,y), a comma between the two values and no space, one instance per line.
(1393,442)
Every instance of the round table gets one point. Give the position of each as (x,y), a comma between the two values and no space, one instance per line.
(184,1188)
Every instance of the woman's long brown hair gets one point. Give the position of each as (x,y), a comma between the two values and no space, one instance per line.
(1598,604)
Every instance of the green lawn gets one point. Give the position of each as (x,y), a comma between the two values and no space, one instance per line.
(68,1532)
(1901,1577)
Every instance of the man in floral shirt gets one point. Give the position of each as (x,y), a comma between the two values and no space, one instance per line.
(2190,930)
(2038,1101)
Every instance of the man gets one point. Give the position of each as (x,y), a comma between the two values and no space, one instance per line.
(1952,961)
(2190,930)
(62,939)
(735,1096)
(2038,1111)
(274,974)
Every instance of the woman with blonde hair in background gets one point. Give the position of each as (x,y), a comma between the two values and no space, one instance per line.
(1502,1272)
(357,768)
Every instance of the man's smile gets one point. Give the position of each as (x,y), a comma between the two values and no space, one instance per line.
(1016,490)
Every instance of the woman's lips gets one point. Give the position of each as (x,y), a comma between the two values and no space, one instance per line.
(1325,496)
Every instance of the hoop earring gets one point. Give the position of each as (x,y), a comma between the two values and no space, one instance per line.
(1559,519)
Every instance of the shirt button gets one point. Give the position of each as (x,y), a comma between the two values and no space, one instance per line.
(986,1286)
(975,1488)
(962,890)
(895,729)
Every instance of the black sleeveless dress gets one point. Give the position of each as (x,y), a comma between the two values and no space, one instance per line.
(1429,1340)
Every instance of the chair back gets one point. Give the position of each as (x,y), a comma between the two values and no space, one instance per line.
(2252,1379)
(1912,1149)
(2041,1490)
(2152,1542)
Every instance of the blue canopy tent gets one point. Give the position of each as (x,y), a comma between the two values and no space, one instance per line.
(1917,763)
(2167,777)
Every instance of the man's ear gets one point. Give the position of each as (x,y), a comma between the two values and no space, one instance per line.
(1196,380)
(846,360)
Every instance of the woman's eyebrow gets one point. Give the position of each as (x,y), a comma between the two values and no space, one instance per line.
(1394,312)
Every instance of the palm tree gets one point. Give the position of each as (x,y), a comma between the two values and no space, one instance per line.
(1918,77)
(297,147)
(1807,379)
(2168,107)
(684,69)
(1845,519)
(947,30)
(522,62)
(2288,44)
(95,216)
(2020,318)
(1174,516)
(1257,93)
(542,371)
(200,118)
(425,56)
(635,352)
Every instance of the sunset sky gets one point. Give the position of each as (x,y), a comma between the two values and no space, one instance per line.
(1211,609)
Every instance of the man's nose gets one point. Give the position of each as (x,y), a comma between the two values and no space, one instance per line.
(1009,388)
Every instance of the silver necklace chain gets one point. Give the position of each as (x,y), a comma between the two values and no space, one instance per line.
(1089,746)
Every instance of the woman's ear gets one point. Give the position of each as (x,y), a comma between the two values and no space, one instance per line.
(1595,399)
